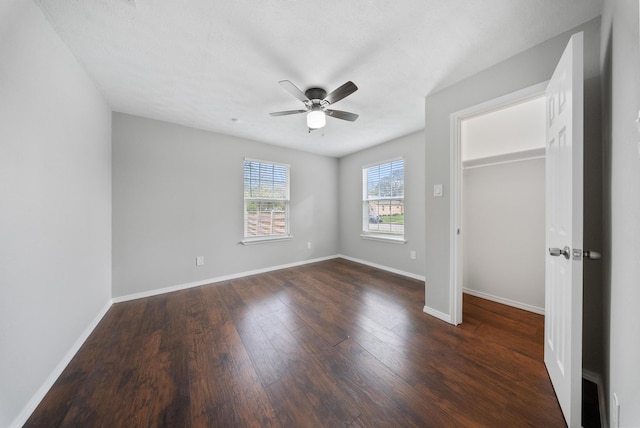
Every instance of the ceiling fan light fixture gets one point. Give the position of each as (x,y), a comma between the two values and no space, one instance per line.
(316,119)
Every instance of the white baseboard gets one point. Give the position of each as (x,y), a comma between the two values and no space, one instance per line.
(602,404)
(504,301)
(28,409)
(435,313)
(382,267)
(178,287)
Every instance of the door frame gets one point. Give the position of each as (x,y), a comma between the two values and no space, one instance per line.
(455,168)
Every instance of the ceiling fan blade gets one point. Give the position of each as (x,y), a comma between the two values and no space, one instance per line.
(344,115)
(285,113)
(341,92)
(293,90)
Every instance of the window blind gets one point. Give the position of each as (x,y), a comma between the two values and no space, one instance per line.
(266,199)
(383,198)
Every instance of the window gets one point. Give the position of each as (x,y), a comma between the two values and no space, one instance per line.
(383,200)
(266,201)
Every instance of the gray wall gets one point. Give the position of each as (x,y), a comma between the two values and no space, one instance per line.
(391,255)
(55,207)
(621,101)
(177,194)
(503,219)
(523,70)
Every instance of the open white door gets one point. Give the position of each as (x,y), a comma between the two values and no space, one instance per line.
(563,266)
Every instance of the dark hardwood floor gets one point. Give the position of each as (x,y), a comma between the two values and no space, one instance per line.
(328,344)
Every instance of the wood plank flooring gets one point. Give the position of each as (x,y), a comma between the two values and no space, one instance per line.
(330,344)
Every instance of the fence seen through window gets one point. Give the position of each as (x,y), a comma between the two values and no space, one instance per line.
(266,199)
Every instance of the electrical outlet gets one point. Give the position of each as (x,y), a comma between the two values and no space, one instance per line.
(615,419)
(413,255)
(308,245)
(199,260)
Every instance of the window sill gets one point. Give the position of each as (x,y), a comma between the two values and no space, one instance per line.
(265,239)
(393,239)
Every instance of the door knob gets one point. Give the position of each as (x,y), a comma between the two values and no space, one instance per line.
(592,255)
(560,252)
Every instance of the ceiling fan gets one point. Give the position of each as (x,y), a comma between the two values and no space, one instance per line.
(317,102)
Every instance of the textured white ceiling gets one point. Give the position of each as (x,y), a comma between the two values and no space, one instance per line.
(215,65)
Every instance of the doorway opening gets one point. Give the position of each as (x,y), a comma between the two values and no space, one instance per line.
(503,205)
(497,182)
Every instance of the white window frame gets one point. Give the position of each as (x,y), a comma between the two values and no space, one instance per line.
(264,238)
(397,238)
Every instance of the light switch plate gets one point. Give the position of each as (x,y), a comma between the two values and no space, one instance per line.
(437,190)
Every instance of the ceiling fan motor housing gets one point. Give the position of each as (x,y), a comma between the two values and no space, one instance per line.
(316,93)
